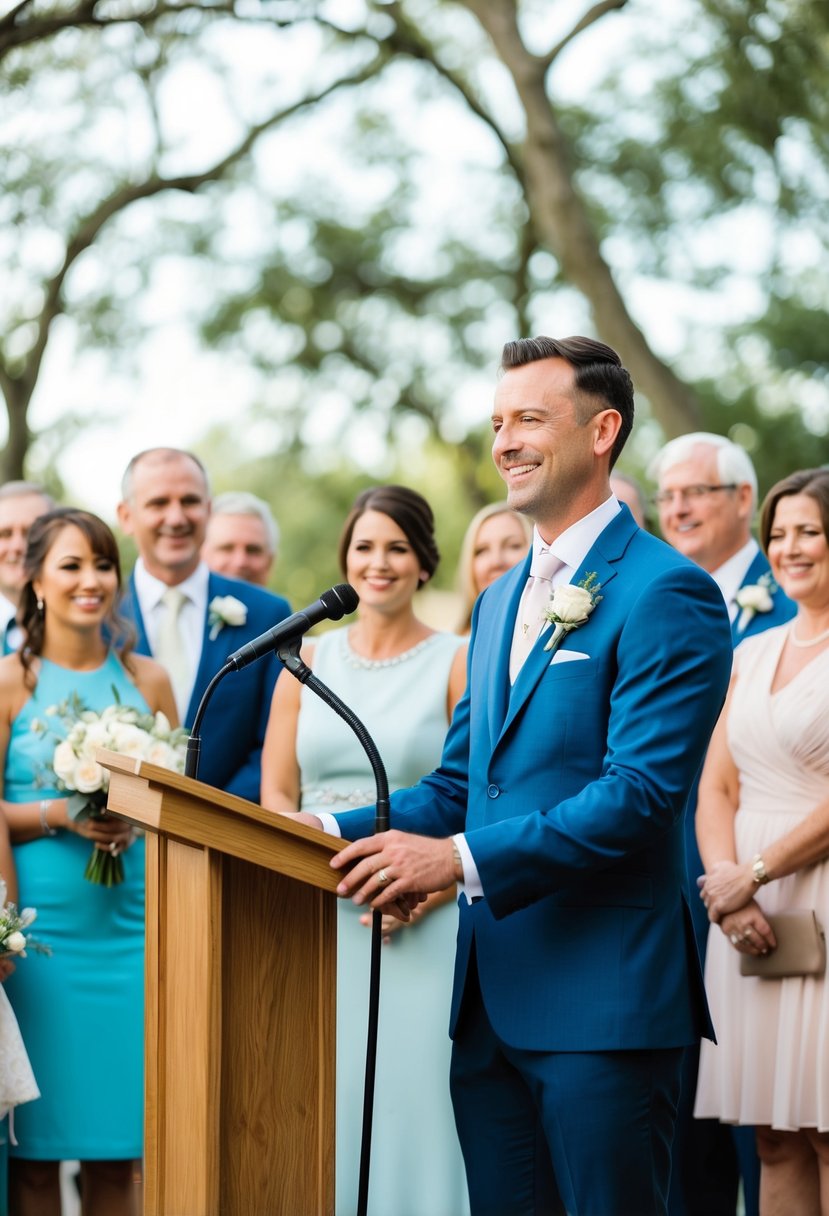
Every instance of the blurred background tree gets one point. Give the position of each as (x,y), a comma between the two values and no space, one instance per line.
(355,204)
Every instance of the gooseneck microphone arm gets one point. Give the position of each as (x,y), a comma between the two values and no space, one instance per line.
(332,605)
(289,655)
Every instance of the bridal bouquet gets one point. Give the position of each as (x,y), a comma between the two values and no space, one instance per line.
(118,728)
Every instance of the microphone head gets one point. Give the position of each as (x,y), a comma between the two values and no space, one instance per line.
(339,601)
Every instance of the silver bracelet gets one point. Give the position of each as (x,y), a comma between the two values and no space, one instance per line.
(45,829)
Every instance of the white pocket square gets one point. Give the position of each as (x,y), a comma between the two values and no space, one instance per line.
(568,656)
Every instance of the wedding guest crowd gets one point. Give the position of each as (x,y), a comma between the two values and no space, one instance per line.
(751,1135)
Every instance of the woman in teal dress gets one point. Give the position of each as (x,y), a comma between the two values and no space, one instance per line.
(81,1009)
(402,679)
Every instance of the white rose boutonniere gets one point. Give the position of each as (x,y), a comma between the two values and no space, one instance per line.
(755,598)
(225,610)
(570,606)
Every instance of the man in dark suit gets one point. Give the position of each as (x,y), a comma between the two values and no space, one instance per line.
(707,499)
(558,804)
(21,502)
(191,619)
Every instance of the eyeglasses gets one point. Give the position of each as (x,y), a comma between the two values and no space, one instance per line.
(689,493)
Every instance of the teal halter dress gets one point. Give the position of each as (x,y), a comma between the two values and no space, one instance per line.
(80,1010)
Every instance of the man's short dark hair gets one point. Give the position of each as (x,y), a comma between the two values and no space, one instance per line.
(601,381)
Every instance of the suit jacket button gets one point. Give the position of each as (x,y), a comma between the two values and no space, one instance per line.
(492,791)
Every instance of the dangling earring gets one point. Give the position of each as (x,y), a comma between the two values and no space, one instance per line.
(41,607)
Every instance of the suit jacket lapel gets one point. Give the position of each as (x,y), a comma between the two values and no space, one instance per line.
(212,655)
(756,570)
(499,686)
(606,551)
(133,610)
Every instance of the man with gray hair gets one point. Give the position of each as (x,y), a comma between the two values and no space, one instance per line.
(706,498)
(242,537)
(191,619)
(21,503)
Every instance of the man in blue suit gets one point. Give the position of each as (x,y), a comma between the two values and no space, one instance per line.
(191,619)
(707,499)
(558,805)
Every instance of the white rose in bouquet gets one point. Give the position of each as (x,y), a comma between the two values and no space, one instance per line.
(64,761)
(89,777)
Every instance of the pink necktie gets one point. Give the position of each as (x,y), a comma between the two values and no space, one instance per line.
(534,601)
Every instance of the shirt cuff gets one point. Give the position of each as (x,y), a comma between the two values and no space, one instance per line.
(471,886)
(329,823)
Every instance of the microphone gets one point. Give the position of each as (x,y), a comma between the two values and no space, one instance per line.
(332,605)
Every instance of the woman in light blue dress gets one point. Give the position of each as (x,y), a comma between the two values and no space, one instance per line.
(402,680)
(81,1009)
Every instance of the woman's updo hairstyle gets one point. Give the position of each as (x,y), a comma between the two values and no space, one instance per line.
(409,510)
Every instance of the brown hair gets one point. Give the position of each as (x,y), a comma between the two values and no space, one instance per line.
(601,382)
(42,535)
(814,482)
(409,510)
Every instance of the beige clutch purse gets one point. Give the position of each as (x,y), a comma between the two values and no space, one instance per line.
(800,950)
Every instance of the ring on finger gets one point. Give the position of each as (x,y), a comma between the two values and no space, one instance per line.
(735,937)
(113,847)
(382,877)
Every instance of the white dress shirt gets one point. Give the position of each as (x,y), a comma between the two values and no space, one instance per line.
(149,591)
(730,575)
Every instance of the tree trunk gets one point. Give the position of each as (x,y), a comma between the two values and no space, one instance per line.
(562,222)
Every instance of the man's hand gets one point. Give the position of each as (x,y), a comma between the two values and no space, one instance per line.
(725,888)
(395,868)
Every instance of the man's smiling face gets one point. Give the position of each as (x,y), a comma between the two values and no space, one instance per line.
(708,528)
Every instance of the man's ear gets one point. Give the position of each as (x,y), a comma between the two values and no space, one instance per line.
(124,517)
(745,500)
(606,426)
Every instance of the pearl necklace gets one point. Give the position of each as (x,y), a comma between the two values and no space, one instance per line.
(821,637)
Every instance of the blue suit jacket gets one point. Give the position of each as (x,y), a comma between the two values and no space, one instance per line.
(571,788)
(233,729)
(782,610)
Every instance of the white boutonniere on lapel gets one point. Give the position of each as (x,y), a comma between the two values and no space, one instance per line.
(225,610)
(755,598)
(570,606)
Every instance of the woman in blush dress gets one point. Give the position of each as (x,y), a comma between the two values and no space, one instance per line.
(402,680)
(763,829)
(81,1009)
(496,540)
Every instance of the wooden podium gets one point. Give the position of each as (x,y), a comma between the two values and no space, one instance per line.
(240,1001)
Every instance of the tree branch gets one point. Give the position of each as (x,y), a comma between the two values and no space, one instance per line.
(590,18)
(14,34)
(90,226)
(407,40)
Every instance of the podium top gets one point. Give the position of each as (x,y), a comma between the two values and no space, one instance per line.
(193,813)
